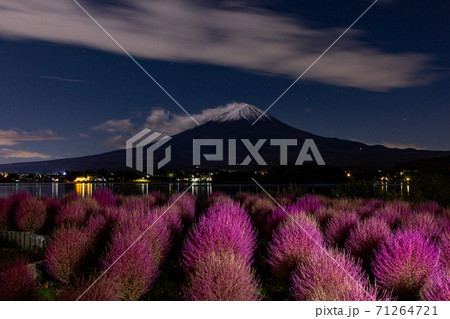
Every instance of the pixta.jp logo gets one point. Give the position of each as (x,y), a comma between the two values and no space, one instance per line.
(140,141)
(154,140)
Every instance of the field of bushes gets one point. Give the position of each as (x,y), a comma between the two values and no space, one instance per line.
(241,247)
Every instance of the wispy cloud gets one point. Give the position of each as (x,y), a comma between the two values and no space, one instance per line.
(15,136)
(10,153)
(57,78)
(239,36)
(84,135)
(115,126)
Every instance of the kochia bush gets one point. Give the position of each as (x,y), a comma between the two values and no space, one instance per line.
(31,215)
(104,197)
(292,243)
(224,228)
(405,263)
(66,252)
(339,227)
(16,281)
(330,277)
(366,237)
(222,276)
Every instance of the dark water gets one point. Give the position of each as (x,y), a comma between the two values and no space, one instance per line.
(199,189)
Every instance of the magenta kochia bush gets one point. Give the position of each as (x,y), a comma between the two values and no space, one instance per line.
(338,228)
(217,255)
(66,252)
(16,280)
(321,278)
(104,197)
(366,237)
(222,276)
(444,245)
(76,212)
(282,213)
(427,223)
(405,263)
(292,243)
(225,227)
(309,204)
(394,213)
(438,287)
(186,203)
(260,210)
(31,215)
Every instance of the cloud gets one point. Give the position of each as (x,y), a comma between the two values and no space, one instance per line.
(171,123)
(14,136)
(115,126)
(392,144)
(83,135)
(399,145)
(239,36)
(159,120)
(57,78)
(10,153)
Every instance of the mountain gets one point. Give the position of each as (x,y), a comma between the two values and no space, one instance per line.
(237,124)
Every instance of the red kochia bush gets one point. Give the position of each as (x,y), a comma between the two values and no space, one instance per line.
(132,266)
(222,277)
(104,197)
(4,214)
(16,281)
(104,289)
(366,237)
(66,252)
(156,235)
(405,263)
(293,244)
(31,215)
(260,210)
(320,278)
(225,227)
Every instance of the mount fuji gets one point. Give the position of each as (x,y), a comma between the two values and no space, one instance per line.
(236,124)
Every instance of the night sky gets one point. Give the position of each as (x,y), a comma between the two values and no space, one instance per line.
(68,90)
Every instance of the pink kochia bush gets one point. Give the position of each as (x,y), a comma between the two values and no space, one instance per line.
(338,228)
(66,252)
(138,246)
(330,277)
(31,215)
(16,281)
(366,237)
(224,227)
(217,255)
(405,263)
(261,209)
(293,242)
(222,277)
(104,197)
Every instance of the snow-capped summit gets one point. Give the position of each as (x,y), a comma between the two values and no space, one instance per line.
(243,111)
